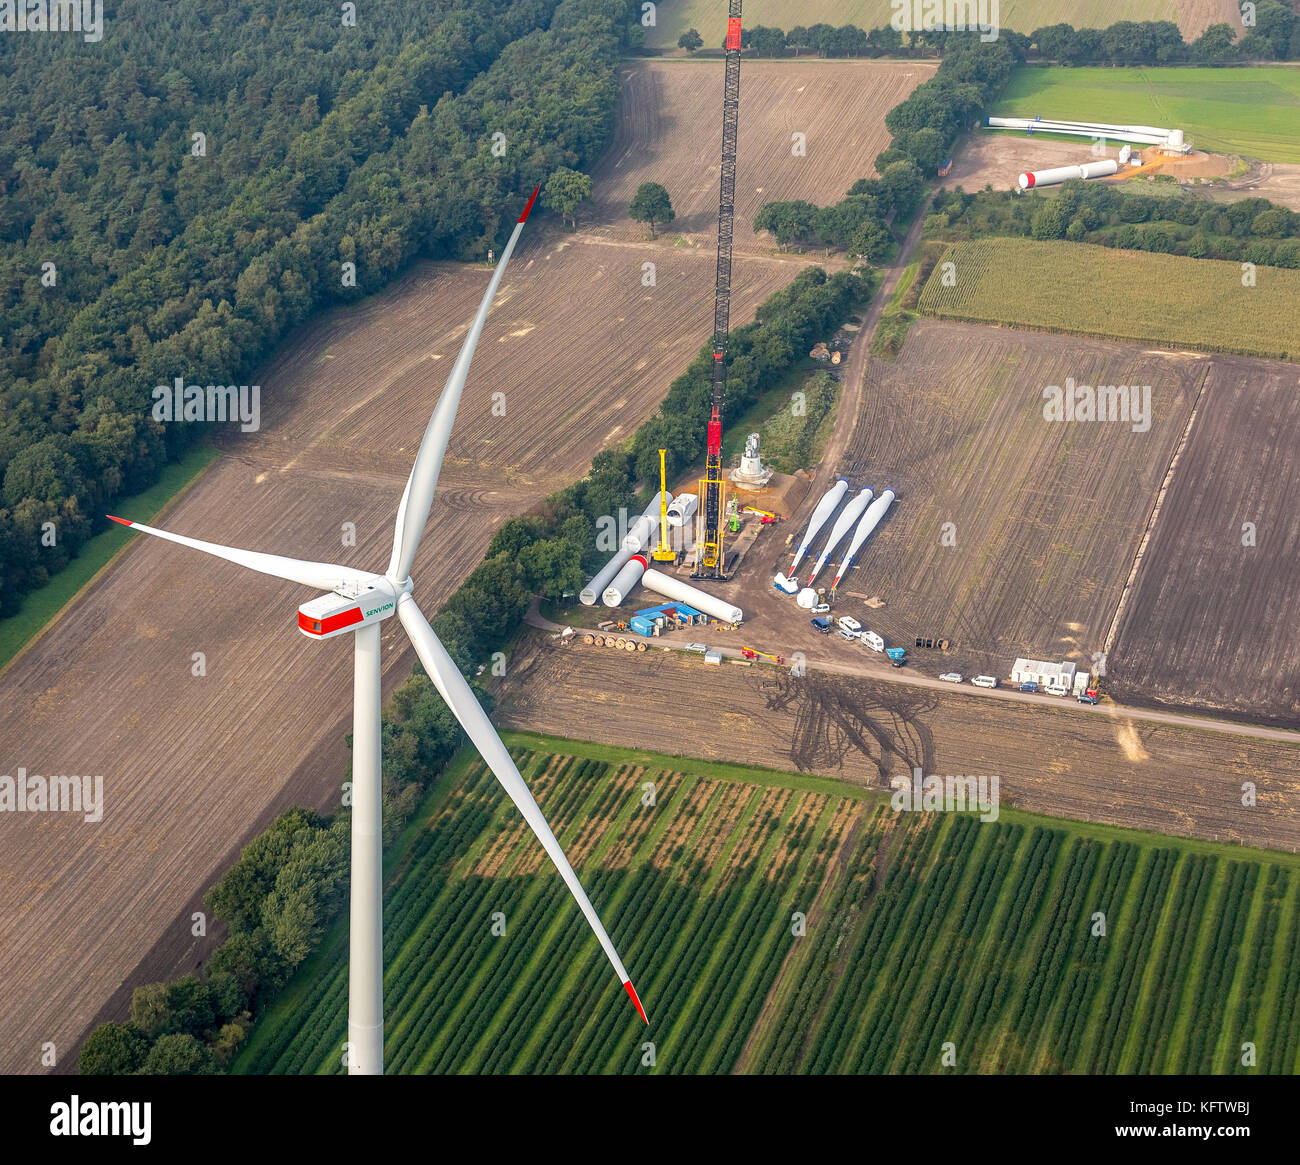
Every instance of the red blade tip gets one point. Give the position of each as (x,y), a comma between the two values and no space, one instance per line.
(632,992)
(524,217)
(123,521)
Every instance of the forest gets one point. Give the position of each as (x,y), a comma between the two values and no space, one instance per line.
(177,199)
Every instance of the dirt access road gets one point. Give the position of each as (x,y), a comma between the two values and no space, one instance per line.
(869,668)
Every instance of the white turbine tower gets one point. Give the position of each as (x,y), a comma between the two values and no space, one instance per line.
(356,604)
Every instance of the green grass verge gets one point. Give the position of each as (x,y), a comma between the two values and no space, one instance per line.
(42,606)
(896,319)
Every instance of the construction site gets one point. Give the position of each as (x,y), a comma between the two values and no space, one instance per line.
(929,577)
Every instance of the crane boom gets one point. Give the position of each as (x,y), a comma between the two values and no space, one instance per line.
(709,562)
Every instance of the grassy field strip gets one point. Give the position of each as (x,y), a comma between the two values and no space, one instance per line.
(594,1027)
(1256,1011)
(794,1009)
(419,999)
(556,994)
(927,1022)
(543,915)
(1251,110)
(1279,1054)
(1119,923)
(1033,853)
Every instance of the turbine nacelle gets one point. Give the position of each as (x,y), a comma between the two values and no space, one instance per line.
(350,607)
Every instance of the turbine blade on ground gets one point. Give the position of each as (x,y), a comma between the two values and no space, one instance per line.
(417,498)
(460,699)
(323,576)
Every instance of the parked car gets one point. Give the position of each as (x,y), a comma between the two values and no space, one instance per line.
(822,624)
(700,647)
(985,681)
(848,623)
(1029,686)
(1058,689)
(848,636)
(821,609)
(952,677)
(1088,697)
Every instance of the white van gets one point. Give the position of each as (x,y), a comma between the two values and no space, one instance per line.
(873,641)
(985,681)
(1058,689)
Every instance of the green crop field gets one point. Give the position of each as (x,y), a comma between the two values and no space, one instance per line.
(928,942)
(1252,111)
(709,17)
(1100,291)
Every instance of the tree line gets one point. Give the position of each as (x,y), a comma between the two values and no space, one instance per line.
(859,223)
(1251,230)
(133,251)
(1274,35)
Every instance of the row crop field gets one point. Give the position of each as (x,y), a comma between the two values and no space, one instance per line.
(1100,291)
(1252,110)
(1200,618)
(778,923)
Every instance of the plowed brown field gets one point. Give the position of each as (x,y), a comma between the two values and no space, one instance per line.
(1106,769)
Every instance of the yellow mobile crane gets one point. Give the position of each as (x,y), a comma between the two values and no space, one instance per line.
(663,552)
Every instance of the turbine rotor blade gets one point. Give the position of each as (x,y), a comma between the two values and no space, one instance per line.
(413,512)
(460,699)
(323,576)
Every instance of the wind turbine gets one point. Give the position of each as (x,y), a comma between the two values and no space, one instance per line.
(356,603)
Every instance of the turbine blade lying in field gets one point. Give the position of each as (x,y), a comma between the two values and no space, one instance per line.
(460,699)
(323,576)
(417,498)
